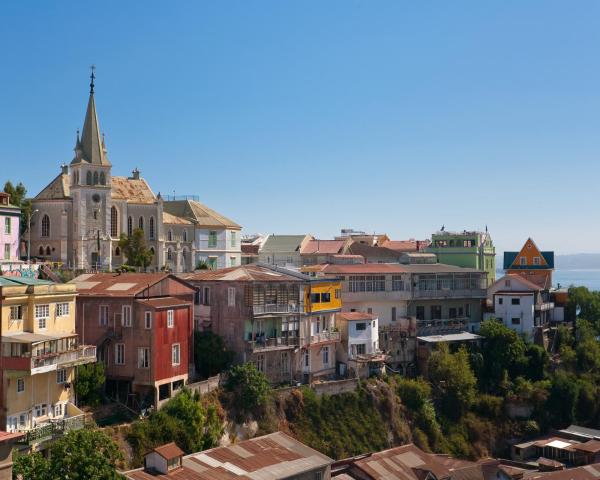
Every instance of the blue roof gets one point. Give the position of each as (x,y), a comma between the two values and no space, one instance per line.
(509,258)
(15,281)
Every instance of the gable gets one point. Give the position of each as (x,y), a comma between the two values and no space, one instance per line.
(529,257)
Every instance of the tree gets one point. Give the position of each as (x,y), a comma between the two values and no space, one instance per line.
(250,387)
(503,350)
(135,249)
(453,380)
(211,356)
(89,382)
(78,455)
(563,399)
(18,199)
(414,393)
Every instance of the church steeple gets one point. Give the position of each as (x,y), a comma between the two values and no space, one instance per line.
(92,149)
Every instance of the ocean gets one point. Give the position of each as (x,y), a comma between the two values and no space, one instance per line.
(582,277)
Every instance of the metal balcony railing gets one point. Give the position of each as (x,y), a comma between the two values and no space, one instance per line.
(83,354)
(273,343)
(449,292)
(325,337)
(53,429)
(276,308)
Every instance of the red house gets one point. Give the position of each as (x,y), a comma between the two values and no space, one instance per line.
(142,325)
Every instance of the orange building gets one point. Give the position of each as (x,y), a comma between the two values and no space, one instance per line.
(530,262)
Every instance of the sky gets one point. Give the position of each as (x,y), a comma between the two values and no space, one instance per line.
(393,117)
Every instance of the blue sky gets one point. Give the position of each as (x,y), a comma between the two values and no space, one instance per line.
(310,116)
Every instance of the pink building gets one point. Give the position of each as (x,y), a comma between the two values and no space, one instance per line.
(10,217)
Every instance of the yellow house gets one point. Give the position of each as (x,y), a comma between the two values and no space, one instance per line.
(322,300)
(40,351)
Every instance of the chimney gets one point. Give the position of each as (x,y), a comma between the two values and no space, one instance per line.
(135,174)
(64,169)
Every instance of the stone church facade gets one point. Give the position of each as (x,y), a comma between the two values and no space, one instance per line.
(81,214)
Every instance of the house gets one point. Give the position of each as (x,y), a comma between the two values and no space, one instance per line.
(276,456)
(283,250)
(407,246)
(314,252)
(372,253)
(281,320)
(142,325)
(216,239)
(530,262)
(374,239)
(398,341)
(469,249)
(40,352)
(359,350)
(10,224)
(7,444)
(557,448)
(428,343)
(520,304)
(83,211)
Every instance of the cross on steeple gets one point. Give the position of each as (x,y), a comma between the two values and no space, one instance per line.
(92,77)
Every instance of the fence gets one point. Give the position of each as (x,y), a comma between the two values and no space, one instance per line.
(205,386)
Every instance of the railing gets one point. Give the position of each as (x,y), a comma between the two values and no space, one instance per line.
(442,326)
(544,306)
(54,428)
(276,308)
(442,292)
(325,337)
(81,355)
(273,343)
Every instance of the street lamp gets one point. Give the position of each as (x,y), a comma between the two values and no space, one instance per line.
(29,236)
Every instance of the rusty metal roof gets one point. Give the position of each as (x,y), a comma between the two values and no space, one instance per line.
(164,302)
(245,273)
(169,451)
(117,284)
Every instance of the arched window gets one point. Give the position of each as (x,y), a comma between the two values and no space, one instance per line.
(117,252)
(48,250)
(95,178)
(151,232)
(45,226)
(88,178)
(170,235)
(114,222)
(141,223)
(185,235)
(41,251)
(152,251)
(102,178)
(129,226)
(169,254)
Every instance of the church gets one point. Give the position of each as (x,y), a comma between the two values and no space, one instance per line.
(80,215)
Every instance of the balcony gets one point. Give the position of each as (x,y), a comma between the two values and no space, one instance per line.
(52,429)
(51,361)
(276,343)
(275,309)
(84,354)
(442,326)
(450,293)
(325,337)
(544,307)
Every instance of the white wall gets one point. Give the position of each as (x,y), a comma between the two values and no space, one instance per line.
(524,311)
(369,336)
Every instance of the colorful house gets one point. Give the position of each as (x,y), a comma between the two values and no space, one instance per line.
(465,249)
(10,218)
(530,262)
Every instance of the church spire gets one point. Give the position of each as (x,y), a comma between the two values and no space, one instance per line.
(92,149)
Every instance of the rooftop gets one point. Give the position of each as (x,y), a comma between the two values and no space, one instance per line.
(323,247)
(382,268)
(450,337)
(199,214)
(133,190)
(169,451)
(117,284)
(282,243)
(247,273)
(351,316)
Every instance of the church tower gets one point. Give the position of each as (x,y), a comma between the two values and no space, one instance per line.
(90,182)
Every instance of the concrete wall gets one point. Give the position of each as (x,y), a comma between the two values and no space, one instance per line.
(336,387)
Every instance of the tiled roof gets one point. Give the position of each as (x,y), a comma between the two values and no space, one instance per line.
(406,245)
(6,437)
(282,243)
(57,189)
(169,219)
(517,278)
(350,316)
(368,251)
(116,284)
(169,451)
(200,214)
(246,273)
(249,249)
(323,247)
(587,472)
(133,190)
(164,302)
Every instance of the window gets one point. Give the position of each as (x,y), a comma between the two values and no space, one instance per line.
(212,239)
(231,296)
(20,385)
(170,235)
(62,309)
(170,319)
(212,263)
(40,410)
(103,317)
(141,223)
(366,283)
(185,236)
(315,298)
(88,178)
(337,293)
(515,301)
(95,178)
(436,312)
(206,296)
(516,321)
(233,240)
(318,475)
(41,313)
(536,260)
(7,225)
(45,226)
(306,359)
(325,297)
(61,375)
(58,410)
(500,300)
(361,348)
(148,320)
(361,326)
(169,254)
(41,251)
(120,354)
(114,222)
(369,310)
(143,357)
(129,226)
(151,228)
(507,283)
(126,320)
(117,252)
(325,355)
(523,260)
(102,178)
(397,283)
(260,362)
(175,354)
(420,312)
(16,312)
(232,261)
(7,251)
(48,250)
(285,362)
(393,314)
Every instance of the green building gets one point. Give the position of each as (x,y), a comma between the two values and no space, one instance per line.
(465,249)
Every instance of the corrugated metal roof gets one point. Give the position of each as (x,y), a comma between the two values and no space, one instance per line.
(169,451)
(282,243)
(450,337)
(246,273)
(117,284)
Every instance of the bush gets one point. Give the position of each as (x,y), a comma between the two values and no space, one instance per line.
(89,382)
(210,354)
(489,406)
(250,387)
(414,393)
